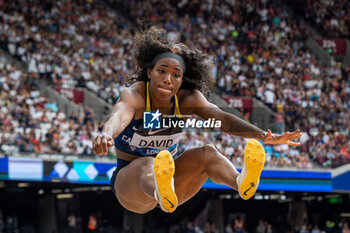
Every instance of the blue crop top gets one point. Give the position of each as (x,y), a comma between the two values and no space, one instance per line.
(137,140)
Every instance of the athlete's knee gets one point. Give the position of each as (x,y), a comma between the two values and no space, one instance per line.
(208,154)
(209,150)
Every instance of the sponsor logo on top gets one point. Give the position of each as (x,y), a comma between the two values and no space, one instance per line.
(151,120)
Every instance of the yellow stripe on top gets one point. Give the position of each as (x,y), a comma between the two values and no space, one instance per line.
(177,109)
(148,102)
(177,112)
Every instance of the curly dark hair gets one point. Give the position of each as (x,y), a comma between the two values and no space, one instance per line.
(151,42)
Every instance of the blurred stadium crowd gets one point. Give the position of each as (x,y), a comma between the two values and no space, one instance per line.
(331,17)
(258,50)
(235,225)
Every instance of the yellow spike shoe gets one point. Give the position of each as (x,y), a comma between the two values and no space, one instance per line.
(253,164)
(164,169)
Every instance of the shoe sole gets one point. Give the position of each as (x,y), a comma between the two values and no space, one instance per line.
(254,160)
(164,169)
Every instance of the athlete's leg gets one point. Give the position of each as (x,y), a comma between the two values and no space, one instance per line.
(134,185)
(196,165)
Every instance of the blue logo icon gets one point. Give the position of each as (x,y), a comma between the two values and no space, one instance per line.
(151,120)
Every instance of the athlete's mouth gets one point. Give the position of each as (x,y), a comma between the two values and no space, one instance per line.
(164,90)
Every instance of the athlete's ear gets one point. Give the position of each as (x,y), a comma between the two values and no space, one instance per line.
(149,70)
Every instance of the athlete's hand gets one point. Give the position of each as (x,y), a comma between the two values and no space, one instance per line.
(286,138)
(101,144)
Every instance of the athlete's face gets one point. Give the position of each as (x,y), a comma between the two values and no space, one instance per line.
(166,78)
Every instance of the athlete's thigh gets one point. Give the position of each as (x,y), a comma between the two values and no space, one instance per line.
(189,173)
(128,190)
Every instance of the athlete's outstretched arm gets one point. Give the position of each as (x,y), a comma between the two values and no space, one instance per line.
(122,114)
(234,125)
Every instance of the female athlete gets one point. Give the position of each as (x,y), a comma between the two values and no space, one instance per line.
(170,80)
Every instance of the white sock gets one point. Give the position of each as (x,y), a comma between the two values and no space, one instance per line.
(155,195)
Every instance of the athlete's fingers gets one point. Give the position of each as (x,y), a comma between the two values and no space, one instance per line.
(96,148)
(298,135)
(291,143)
(268,135)
(97,145)
(110,143)
(104,146)
(295,134)
(286,134)
(100,147)
(295,137)
(296,131)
